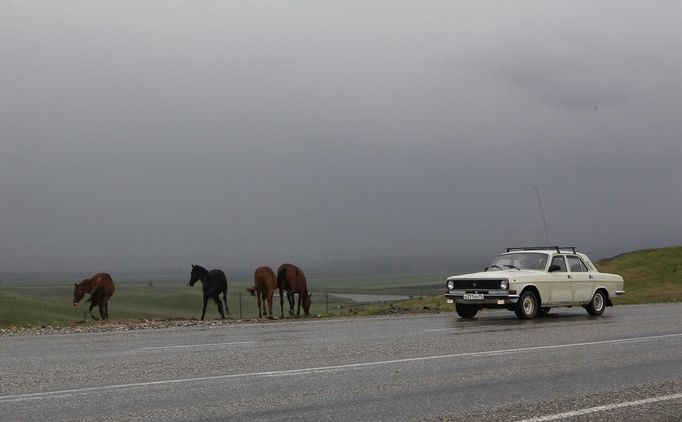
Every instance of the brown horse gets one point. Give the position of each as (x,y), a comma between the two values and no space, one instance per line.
(292,279)
(265,283)
(101,288)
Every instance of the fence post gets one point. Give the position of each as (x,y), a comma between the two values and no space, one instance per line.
(327,303)
(240,305)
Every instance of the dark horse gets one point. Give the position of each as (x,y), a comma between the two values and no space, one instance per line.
(101,288)
(264,285)
(213,283)
(292,279)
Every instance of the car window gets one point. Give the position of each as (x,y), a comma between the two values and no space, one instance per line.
(576,264)
(523,261)
(559,260)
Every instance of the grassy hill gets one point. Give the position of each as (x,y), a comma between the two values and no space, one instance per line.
(651,275)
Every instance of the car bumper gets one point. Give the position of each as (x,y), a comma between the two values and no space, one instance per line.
(490,297)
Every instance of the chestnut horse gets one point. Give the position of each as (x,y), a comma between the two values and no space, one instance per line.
(292,279)
(213,283)
(265,283)
(101,288)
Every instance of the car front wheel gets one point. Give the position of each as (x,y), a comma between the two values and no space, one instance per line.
(597,304)
(466,311)
(527,306)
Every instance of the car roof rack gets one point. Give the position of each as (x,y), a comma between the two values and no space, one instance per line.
(542,248)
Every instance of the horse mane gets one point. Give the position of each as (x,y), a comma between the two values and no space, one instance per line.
(86,284)
(301,276)
(200,268)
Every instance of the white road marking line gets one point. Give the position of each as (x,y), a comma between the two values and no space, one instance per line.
(61,393)
(595,409)
(433,330)
(182,346)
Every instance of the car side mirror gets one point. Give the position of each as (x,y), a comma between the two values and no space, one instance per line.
(486,269)
(553,268)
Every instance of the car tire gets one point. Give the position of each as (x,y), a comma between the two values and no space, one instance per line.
(597,304)
(543,311)
(527,306)
(466,311)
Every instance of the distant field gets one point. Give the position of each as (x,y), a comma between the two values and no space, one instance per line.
(49,303)
(653,275)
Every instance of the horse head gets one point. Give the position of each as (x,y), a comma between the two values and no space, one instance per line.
(78,293)
(198,273)
(307,302)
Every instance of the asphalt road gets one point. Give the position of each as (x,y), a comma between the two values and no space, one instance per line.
(625,365)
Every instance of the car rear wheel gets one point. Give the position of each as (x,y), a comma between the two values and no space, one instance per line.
(597,304)
(527,306)
(544,311)
(466,311)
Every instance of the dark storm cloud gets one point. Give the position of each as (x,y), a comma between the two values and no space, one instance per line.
(150,135)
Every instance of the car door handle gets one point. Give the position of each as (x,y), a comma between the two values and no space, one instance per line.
(591,277)
(570,276)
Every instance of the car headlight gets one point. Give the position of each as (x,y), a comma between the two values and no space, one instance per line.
(450,284)
(504,284)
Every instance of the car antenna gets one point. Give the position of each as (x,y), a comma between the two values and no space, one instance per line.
(542,213)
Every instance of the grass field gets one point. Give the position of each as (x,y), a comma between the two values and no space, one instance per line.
(49,303)
(653,275)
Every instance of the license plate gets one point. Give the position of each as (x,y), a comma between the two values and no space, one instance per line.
(473,296)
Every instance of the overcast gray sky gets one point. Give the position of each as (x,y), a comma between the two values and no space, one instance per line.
(153,134)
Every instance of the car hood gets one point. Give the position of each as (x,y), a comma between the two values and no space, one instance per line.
(493,275)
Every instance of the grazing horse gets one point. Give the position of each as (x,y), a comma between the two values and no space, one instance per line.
(101,288)
(265,283)
(213,283)
(292,279)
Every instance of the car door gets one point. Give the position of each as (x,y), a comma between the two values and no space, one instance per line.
(583,283)
(559,281)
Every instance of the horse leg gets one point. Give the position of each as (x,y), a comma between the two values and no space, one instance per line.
(290,298)
(203,311)
(281,303)
(227,310)
(298,310)
(270,303)
(106,310)
(92,305)
(101,311)
(220,306)
(259,299)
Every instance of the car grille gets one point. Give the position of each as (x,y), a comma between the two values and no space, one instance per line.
(477,284)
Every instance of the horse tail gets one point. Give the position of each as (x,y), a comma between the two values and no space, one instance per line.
(252,290)
(281,276)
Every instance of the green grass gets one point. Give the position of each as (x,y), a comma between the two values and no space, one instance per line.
(652,275)
(416,305)
(401,284)
(49,303)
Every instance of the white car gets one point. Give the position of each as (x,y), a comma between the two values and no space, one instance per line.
(530,281)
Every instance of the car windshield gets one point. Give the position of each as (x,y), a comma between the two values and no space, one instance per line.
(519,261)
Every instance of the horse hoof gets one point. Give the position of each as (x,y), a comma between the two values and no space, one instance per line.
(271,317)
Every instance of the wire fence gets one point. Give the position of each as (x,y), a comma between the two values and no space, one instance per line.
(323,303)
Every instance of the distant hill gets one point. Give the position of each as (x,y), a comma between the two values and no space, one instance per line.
(651,275)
